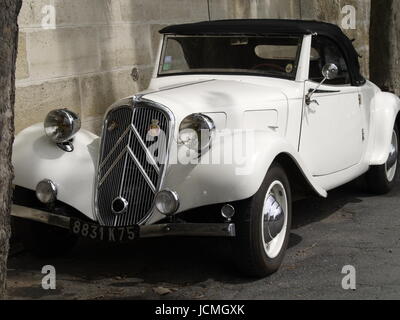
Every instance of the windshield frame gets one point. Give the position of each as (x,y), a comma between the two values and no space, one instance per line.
(292,77)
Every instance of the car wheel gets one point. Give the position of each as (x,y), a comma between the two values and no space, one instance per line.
(263,226)
(44,240)
(381,179)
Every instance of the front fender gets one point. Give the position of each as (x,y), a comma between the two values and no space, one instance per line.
(384,111)
(36,157)
(214,182)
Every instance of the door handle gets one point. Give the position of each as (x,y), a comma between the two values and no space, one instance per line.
(309,101)
(316,91)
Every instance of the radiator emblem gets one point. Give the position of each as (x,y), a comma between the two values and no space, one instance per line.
(113,125)
(154,129)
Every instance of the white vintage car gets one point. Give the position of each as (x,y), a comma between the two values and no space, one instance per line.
(241,118)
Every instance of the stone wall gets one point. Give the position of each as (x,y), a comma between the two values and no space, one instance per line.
(85,63)
(331,11)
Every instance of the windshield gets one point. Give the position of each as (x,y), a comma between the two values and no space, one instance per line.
(275,56)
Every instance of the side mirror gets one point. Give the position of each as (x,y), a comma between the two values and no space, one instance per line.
(330,71)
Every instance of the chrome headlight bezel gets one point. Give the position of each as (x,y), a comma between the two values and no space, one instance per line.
(196,132)
(167,202)
(61,125)
(46,191)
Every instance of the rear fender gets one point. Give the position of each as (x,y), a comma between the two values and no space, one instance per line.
(384,107)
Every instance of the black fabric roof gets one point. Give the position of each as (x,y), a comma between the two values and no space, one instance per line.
(275,26)
(252,26)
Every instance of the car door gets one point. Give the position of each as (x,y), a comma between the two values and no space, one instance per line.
(332,126)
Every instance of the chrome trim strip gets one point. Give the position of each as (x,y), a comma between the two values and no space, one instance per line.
(115,147)
(145,149)
(123,152)
(322,91)
(227,230)
(150,231)
(141,169)
(40,216)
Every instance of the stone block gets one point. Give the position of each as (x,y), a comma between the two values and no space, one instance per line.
(82,12)
(34,101)
(142,10)
(124,45)
(99,91)
(63,52)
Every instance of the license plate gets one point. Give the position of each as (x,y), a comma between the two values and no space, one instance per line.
(107,234)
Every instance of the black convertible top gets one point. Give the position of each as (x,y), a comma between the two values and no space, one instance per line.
(275,26)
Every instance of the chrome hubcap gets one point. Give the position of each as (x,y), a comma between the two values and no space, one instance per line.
(274,219)
(391,164)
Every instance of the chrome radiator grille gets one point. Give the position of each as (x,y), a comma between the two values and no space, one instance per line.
(128,169)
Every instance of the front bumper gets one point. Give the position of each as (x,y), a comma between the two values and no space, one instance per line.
(149,231)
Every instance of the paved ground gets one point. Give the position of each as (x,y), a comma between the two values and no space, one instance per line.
(349,228)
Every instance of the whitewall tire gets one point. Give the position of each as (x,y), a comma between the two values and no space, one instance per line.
(382,179)
(263,226)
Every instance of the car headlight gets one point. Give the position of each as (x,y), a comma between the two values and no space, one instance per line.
(167,202)
(61,125)
(46,191)
(196,132)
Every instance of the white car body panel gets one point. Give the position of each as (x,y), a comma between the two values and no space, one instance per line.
(331,135)
(205,184)
(332,143)
(384,110)
(36,157)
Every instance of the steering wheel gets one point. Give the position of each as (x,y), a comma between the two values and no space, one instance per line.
(270,65)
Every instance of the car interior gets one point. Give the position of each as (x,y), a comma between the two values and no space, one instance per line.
(262,55)
(325,51)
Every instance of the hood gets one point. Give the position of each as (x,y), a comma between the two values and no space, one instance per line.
(230,97)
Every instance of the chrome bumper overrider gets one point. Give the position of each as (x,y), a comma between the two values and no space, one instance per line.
(149,231)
